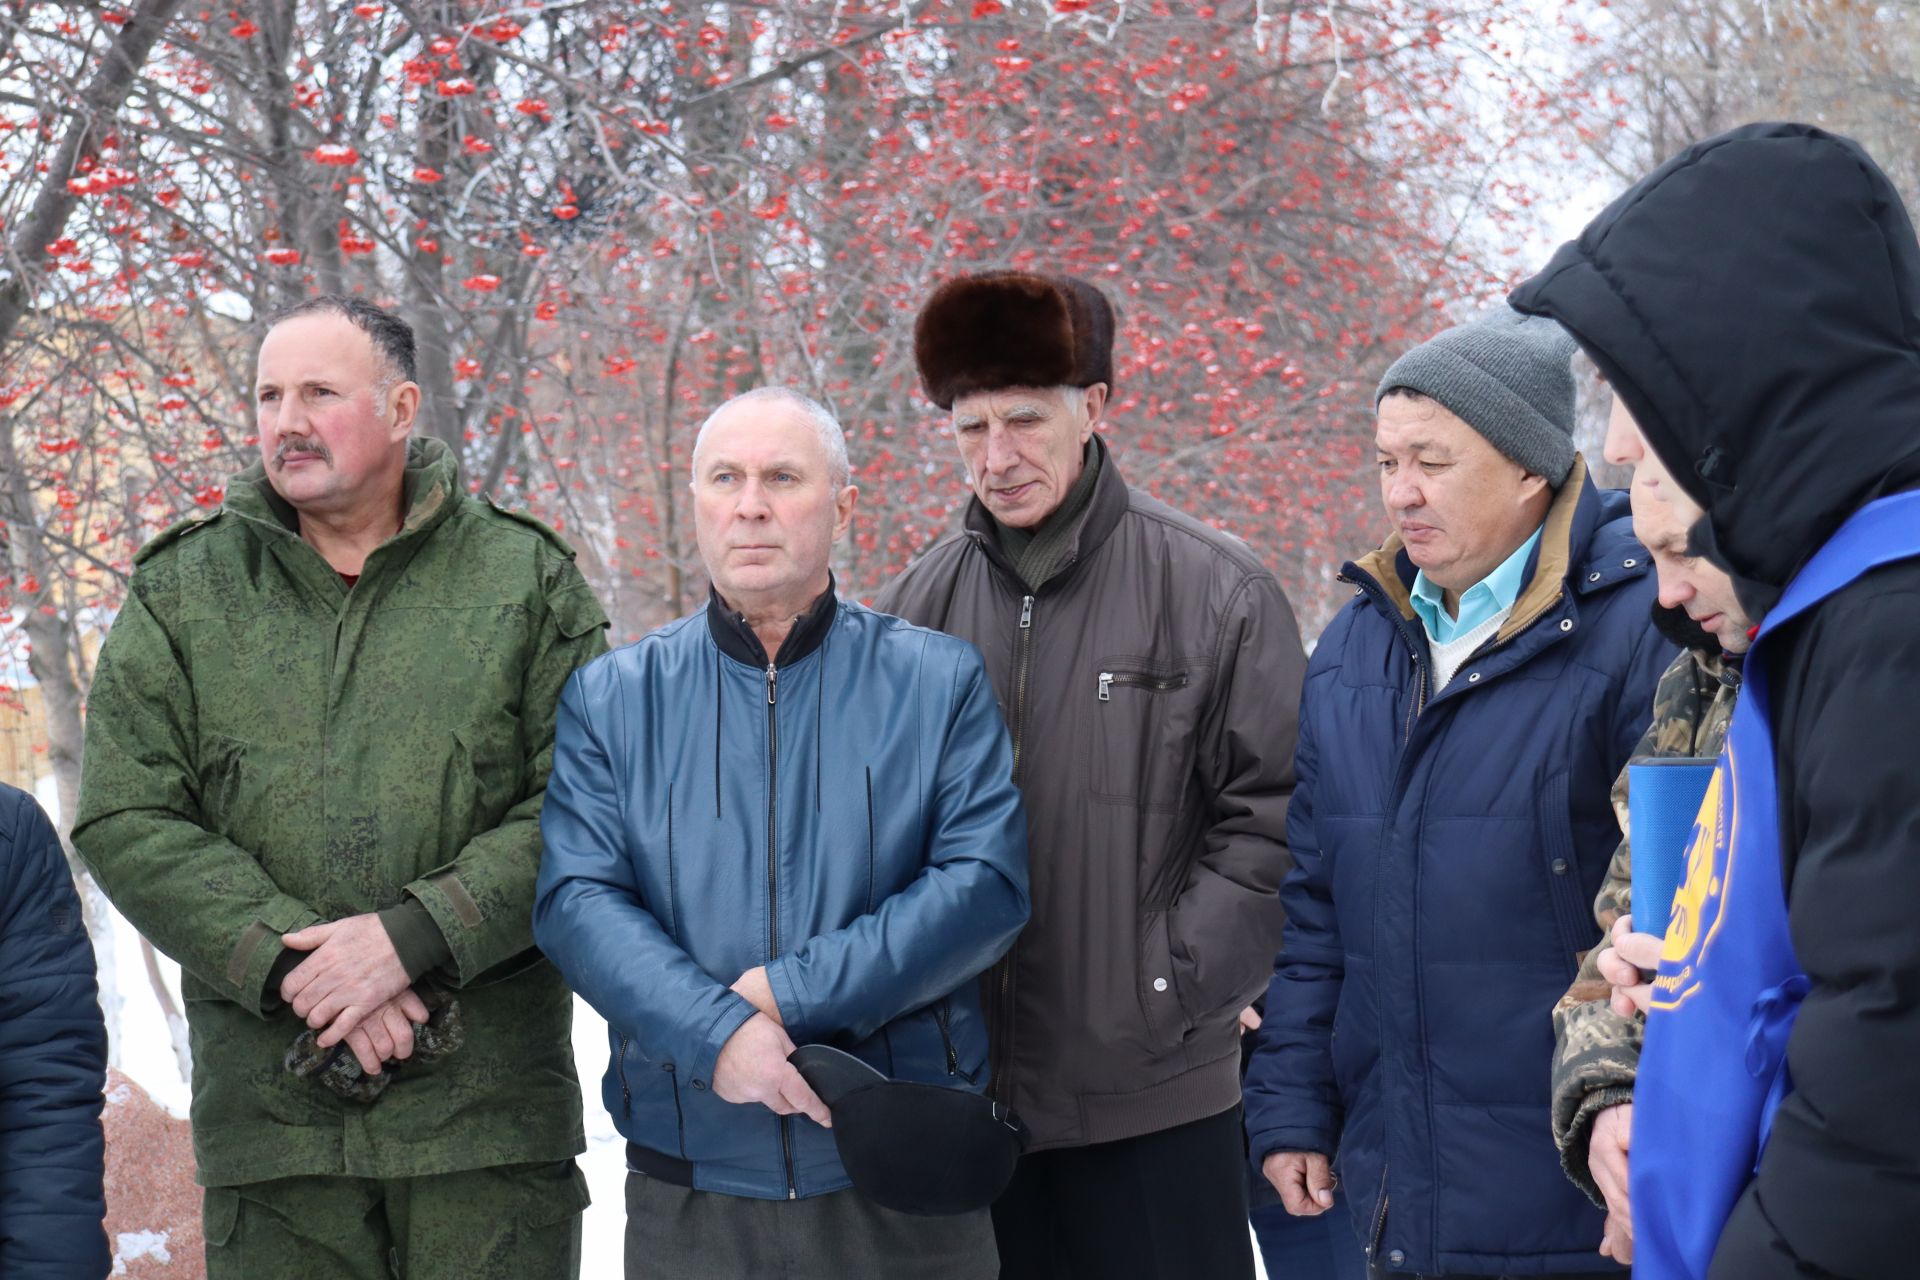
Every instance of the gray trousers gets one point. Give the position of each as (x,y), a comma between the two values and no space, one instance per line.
(677,1233)
(1621,1274)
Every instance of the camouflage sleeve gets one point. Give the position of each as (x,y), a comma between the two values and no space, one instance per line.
(483,900)
(1596,1052)
(199,897)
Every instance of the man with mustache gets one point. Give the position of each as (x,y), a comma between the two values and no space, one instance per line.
(1755,305)
(318,741)
(1463,718)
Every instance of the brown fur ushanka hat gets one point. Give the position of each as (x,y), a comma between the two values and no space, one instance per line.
(1012,329)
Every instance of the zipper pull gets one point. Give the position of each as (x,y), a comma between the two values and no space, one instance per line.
(1026,612)
(772,678)
(1106,686)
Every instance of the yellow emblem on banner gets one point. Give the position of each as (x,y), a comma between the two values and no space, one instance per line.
(1696,906)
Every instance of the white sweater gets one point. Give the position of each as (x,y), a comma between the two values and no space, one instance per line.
(1448,658)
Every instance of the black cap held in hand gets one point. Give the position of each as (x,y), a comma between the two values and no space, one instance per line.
(913,1148)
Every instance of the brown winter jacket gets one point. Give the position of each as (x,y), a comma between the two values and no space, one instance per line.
(1152,688)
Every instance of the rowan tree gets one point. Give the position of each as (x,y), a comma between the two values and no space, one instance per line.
(602,218)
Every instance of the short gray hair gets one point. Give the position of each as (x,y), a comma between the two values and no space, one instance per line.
(818,416)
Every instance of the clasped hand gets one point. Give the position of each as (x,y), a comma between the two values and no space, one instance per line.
(753,1066)
(352,987)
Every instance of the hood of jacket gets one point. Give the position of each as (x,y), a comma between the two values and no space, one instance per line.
(1755,302)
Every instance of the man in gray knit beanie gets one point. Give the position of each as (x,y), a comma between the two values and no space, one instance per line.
(1508,377)
(1474,436)
(1461,721)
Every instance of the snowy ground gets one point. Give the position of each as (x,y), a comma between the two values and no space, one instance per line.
(146,1054)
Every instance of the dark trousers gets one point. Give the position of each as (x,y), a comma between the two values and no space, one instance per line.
(1378,1274)
(1309,1248)
(1164,1206)
(677,1233)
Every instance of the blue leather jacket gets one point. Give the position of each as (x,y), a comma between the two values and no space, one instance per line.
(845,816)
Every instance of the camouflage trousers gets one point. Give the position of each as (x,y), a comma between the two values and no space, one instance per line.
(510,1222)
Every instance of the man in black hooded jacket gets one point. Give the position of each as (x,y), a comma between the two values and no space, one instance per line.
(1756,304)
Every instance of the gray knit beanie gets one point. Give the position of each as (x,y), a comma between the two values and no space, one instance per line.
(1509,377)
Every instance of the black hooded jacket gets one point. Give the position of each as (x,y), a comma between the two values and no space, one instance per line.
(1756,304)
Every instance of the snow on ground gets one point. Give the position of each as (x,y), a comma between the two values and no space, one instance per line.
(131,1246)
(605,1162)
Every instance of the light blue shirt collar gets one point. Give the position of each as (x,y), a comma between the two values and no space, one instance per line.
(1493,593)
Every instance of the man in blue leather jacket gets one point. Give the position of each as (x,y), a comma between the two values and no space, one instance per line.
(783,820)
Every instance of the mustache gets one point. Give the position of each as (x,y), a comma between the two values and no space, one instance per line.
(301,445)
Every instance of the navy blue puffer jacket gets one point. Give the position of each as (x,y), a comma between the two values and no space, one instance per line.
(53,1060)
(846,818)
(1447,848)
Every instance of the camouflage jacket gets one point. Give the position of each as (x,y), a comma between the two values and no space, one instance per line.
(267,748)
(1596,1051)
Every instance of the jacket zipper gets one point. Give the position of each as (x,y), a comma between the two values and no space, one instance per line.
(1414,708)
(1419,702)
(1138,680)
(1379,1221)
(940,1015)
(679,1116)
(773,886)
(620,1069)
(1022,658)
(1003,971)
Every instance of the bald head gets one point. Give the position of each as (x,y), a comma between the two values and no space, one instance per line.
(802,408)
(770,499)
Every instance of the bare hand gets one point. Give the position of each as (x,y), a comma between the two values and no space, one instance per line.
(353,971)
(1607,1158)
(753,1067)
(1304,1180)
(386,1035)
(1616,1239)
(1621,963)
(753,987)
(1249,1019)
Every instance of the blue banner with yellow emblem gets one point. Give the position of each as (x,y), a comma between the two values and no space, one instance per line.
(1713,1069)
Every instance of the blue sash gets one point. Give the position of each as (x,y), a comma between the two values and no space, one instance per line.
(1713,1069)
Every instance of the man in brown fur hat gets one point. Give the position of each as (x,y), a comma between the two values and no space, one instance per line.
(1149,668)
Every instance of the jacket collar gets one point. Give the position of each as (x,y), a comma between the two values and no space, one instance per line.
(430,488)
(1564,537)
(1109,503)
(736,639)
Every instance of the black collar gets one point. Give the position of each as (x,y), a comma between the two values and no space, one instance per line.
(736,639)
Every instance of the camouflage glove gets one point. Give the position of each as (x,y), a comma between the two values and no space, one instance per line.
(335,1067)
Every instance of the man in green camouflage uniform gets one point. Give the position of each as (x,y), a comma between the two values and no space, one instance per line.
(1596,1048)
(318,742)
